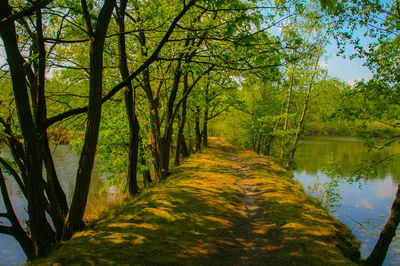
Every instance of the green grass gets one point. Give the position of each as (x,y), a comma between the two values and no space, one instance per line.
(310,235)
(191,215)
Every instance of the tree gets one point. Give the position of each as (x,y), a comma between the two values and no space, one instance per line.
(378,23)
(133,149)
(28,85)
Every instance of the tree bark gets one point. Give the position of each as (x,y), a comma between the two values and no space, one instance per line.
(197,128)
(285,125)
(74,221)
(307,99)
(184,149)
(54,191)
(260,143)
(16,229)
(133,149)
(269,139)
(301,121)
(378,254)
(181,126)
(205,122)
(146,174)
(42,234)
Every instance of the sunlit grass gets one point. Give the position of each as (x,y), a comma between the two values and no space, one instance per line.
(194,213)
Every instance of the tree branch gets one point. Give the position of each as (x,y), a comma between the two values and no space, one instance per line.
(121,85)
(5,230)
(86,16)
(14,174)
(26,12)
(190,89)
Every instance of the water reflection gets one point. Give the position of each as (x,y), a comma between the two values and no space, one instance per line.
(66,162)
(314,153)
(364,209)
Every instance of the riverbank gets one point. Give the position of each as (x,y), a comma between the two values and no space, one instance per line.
(373,129)
(222,206)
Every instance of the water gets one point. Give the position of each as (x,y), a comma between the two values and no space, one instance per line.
(364,207)
(66,162)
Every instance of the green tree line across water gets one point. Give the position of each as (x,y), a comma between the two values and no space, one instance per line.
(143,83)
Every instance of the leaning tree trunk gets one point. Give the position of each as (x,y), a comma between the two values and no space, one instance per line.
(378,255)
(133,149)
(306,101)
(286,123)
(15,229)
(74,221)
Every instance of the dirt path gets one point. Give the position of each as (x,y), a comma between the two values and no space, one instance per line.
(253,234)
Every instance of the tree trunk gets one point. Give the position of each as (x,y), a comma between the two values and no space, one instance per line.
(197,129)
(152,101)
(132,160)
(55,194)
(260,143)
(42,234)
(50,168)
(15,229)
(205,125)
(285,125)
(378,255)
(299,127)
(305,106)
(270,138)
(167,137)
(131,175)
(74,222)
(146,174)
(184,149)
(155,140)
(181,126)
(164,158)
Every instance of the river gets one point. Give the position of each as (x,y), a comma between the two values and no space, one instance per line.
(363,206)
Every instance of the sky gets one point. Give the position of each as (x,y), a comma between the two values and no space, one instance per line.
(345,69)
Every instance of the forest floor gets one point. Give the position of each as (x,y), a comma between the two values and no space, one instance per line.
(222,206)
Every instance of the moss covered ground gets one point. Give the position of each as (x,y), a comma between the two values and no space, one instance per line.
(224,206)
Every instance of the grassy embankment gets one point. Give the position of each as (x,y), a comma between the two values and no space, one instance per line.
(193,215)
(351,128)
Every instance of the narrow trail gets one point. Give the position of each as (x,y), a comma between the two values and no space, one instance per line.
(253,234)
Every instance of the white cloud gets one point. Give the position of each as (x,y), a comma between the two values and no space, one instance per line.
(323,64)
(353,82)
(386,189)
(364,203)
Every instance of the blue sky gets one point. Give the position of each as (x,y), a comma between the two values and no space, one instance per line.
(344,68)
